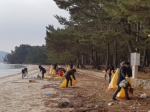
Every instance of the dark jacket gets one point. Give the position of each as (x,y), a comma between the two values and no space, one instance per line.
(42,69)
(122,74)
(71,65)
(55,66)
(23,71)
(129,72)
(69,73)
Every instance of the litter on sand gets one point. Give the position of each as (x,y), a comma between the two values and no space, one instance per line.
(47,94)
(101,100)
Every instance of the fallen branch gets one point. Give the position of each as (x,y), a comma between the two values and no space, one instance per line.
(85,110)
(19,82)
(137,102)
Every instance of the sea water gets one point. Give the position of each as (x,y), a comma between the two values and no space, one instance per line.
(10,69)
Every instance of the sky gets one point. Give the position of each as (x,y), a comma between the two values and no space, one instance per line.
(25,21)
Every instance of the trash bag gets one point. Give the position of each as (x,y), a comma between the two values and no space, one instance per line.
(121,94)
(63,84)
(47,77)
(113,84)
(124,83)
(68,68)
(51,69)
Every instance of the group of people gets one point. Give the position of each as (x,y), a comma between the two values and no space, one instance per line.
(122,82)
(59,71)
(124,72)
(68,73)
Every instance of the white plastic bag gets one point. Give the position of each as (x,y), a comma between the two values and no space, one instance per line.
(143,95)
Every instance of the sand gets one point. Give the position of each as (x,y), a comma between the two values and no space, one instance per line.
(18,95)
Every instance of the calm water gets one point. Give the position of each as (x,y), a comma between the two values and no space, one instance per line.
(10,69)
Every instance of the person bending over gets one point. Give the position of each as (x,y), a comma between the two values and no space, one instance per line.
(24,72)
(121,77)
(68,76)
(42,70)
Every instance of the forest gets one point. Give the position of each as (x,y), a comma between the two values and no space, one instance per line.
(97,33)
(26,54)
(100,32)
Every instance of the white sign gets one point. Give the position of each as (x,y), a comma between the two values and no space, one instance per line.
(135,59)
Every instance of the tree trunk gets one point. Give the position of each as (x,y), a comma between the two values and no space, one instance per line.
(130,48)
(115,58)
(144,57)
(137,35)
(82,59)
(129,43)
(108,55)
(147,59)
(79,62)
(97,63)
(92,57)
(93,61)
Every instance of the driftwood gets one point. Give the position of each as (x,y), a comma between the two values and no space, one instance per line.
(32,81)
(19,82)
(137,102)
(89,109)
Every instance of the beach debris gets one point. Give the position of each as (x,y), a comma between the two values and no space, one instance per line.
(65,105)
(47,94)
(96,106)
(32,81)
(137,102)
(89,109)
(46,86)
(101,100)
(143,95)
(110,104)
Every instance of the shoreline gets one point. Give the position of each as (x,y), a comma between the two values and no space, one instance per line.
(31,68)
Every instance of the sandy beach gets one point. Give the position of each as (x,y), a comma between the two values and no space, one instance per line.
(19,95)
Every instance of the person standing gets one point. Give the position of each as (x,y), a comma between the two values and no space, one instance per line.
(68,76)
(71,66)
(42,70)
(109,71)
(55,66)
(121,77)
(23,73)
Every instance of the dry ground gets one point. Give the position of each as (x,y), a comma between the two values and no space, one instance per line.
(18,95)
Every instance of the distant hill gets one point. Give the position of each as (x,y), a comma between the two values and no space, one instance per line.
(2,55)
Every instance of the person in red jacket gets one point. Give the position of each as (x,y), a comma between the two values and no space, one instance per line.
(60,72)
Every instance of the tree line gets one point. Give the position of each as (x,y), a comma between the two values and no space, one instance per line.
(100,32)
(26,54)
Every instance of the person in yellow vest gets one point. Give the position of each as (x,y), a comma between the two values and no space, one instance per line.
(122,79)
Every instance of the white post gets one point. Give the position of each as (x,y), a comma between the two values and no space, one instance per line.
(134,71)
(135,62)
